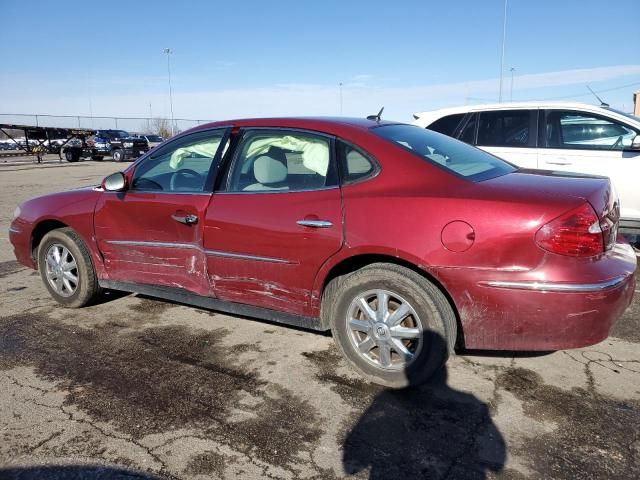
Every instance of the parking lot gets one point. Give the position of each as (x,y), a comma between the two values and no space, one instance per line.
(142,388)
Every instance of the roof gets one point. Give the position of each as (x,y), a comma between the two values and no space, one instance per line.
(509,105)
(321,124)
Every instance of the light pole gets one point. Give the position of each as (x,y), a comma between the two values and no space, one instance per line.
(168,51)
(512,69)
(504,40)
(340,86)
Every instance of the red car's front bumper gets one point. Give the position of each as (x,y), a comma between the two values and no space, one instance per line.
(20,238)
(545,309)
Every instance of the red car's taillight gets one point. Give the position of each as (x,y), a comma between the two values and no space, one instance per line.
(577,233)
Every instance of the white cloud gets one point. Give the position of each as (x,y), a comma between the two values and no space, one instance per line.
(360,97)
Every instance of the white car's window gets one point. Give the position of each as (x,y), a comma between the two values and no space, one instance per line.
(569,129)
(182,166)
(504,128)
(276,161)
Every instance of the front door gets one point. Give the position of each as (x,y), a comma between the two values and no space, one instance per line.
(276,220)
(588,143)
(152,232)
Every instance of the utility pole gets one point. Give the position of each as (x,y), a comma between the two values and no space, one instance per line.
(511,88)
(340,86)
(504,41)
(168,51)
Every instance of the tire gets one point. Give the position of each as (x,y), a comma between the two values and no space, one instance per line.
(431,321)
(86,285)
(72,156)
(118,155)
(97,158)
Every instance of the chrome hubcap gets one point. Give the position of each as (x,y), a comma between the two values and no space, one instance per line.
(384,329)
(62,270)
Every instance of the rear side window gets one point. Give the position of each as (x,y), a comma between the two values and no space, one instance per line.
(447,125)
(281,161)
(445,152)
(468,134)
(504,128)
(355,164)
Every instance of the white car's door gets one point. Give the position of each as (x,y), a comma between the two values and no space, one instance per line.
(588,143)
(509,134)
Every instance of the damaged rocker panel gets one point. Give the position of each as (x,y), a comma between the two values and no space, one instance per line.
(183,296)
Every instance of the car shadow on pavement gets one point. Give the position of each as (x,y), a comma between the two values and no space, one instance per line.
(430,431)
(73,472)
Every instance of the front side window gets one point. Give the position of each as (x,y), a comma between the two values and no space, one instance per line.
(281,161)
(504,128)
(568,129)
(183,166)
(445,152)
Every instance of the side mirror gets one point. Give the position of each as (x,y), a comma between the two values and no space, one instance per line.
(635,144)
(116,182)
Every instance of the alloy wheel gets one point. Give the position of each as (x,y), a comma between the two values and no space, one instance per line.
(384,329)
(62,270)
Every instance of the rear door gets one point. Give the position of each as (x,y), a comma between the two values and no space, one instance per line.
(275,220)
(152,233)
(510,135)
(585,142)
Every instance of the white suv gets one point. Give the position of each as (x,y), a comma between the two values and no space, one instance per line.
(565,136)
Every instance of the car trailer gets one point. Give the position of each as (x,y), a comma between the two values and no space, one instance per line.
(44,137)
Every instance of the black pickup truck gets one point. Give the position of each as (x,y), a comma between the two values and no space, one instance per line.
(117,143)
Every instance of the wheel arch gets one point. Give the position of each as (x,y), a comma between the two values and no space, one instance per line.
(352,263)
(41,229)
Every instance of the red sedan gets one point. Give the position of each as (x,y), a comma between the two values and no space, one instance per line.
(401,241)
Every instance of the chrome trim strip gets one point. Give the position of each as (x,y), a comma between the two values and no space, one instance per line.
(211,253)
(555,287)
(218,253)
(315,223)
(141,243)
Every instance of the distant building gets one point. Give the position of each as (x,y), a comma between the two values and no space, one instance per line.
(636,103)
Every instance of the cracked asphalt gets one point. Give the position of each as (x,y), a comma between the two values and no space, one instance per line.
(141,388)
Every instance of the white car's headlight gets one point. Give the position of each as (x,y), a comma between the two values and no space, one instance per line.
(127,144)
(16,212)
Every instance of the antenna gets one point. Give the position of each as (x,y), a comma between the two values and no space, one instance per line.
(602,104)
(376,117)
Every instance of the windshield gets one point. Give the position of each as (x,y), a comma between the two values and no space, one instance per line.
(116,134)
(445,152)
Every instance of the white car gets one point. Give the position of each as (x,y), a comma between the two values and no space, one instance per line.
(560,136)
(152,140)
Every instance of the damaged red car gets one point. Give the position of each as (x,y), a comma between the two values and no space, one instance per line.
(403,242)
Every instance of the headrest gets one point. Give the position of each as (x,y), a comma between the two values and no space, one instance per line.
(269,170)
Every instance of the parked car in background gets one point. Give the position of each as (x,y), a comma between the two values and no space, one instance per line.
(152,140)
(559,136)
(396,238)
(118,143)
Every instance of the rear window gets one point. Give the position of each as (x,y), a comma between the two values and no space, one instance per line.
(445,152)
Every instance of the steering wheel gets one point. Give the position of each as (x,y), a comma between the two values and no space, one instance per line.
(187,175)
(618,142)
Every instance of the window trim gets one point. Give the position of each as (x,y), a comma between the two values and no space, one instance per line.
(463,125)
(213,168)
(532,141)
(241,135)
(544,142)
(341,174)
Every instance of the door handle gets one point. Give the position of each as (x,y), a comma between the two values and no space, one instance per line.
(559,161)
(315,223)
(186,219)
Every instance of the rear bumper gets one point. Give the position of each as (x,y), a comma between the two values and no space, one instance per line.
(526,314)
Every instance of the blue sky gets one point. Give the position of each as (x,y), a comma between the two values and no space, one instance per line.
(255,58)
